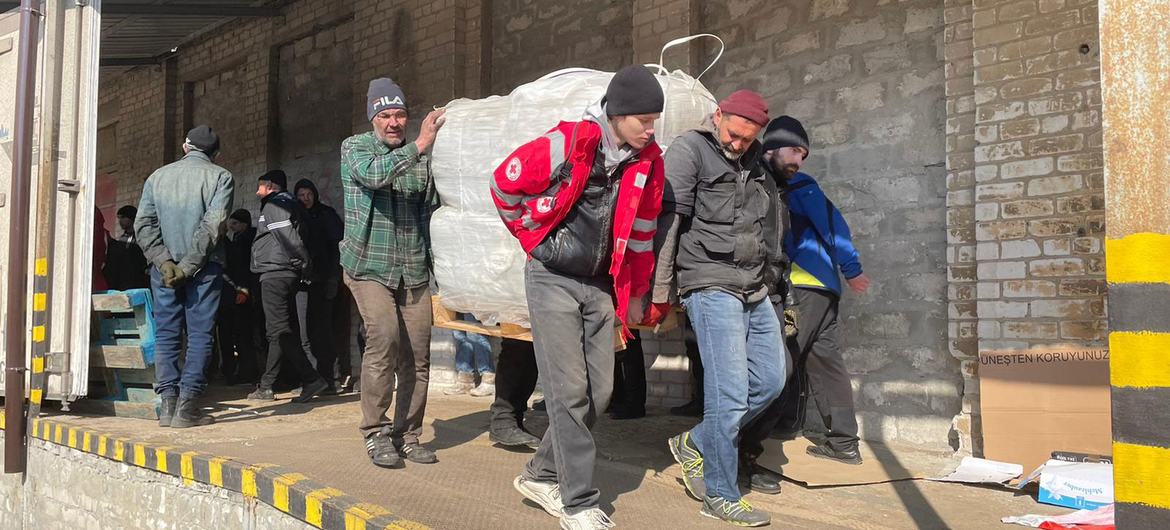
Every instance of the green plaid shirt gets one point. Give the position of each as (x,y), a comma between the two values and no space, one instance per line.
(389,197)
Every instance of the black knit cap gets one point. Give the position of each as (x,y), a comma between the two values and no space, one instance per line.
(243,216)
(203,139)
(785,131)
(128,211)
(633,90)
(277,177)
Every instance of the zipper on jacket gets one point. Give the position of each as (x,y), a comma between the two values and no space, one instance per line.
(606,228)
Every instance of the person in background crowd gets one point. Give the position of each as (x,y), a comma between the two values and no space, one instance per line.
(629,382)
(473,356)
(582,200)
(514,386)
(179,226)
(125,266)
(238,305)
(315,302)
(386,257)
(100,239)
(280,255)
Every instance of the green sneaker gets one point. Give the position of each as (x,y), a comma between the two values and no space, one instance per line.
(738,513)
(688,456)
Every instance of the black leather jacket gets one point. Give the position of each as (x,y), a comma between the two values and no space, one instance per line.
(582,245)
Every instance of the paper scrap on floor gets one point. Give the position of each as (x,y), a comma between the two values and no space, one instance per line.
(1101,517)
(788,457)
(981,471)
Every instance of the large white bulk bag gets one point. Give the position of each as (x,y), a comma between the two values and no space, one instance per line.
(479,266)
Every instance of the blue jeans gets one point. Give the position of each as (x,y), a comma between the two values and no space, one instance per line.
(473,352)
(194,304)
(743,372)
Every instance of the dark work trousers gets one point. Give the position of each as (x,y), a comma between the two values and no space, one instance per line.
(828,379)
(572,331)
(315,318)
(237,344)
(752,436)
(515,381)
(629,378)
(279,295)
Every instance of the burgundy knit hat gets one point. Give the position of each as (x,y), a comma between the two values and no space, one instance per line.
(747,104)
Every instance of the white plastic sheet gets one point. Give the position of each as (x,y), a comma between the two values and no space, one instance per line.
(479,266)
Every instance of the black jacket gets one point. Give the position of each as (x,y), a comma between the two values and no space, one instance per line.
(582,245)
(125,266)
(239,261)
(776,225)
(280,249)
(327,231)
(711,231)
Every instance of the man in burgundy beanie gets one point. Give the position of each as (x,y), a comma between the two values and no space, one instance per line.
(711,251)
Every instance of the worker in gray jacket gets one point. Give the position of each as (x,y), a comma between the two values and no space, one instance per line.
(180,227)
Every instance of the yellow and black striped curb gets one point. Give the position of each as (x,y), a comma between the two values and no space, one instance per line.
(284,489)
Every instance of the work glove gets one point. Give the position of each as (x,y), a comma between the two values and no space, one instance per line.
(790,328)
(172,275)
(241,296)
(657,313)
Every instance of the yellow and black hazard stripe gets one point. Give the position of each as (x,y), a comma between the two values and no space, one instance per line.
(40,342)
(1139,368)
(284,489)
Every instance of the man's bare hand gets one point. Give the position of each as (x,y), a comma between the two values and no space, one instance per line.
(430,128)
(859,283)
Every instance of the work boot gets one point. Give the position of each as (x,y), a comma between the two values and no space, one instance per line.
(590,519)
(513,437)
(166,410)
(849,456)
(547,495)
(759,479)
(687,455)
(188,414)
(464,381)
(381,449)
(738,513)
(311,390)
(261,394)
(487,386)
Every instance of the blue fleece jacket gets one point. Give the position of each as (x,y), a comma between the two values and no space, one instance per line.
(819,243)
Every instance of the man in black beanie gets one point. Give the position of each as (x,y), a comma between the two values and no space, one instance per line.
(589,229)
(820,250)
(179,225)
(280,255)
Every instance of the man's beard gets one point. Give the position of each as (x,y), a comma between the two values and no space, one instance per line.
(787,171)
(391,143)
(729,154)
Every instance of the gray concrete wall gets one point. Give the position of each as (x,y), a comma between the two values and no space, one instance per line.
(66,488)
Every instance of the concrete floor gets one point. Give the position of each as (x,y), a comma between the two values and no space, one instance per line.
(471,485)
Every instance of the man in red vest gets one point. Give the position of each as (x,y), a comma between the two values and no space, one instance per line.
(583,199)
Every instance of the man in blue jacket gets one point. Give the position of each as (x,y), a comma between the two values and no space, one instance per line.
(821,250)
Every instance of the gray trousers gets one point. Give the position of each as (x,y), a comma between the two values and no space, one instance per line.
(572,331)
(398,346)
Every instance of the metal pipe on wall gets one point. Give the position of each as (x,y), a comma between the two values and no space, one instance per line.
(18,228)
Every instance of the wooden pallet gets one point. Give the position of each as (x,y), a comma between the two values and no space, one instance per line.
(448,319)
(121,355)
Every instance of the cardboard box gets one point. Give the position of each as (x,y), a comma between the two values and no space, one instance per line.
(1079,485)
(1037,401)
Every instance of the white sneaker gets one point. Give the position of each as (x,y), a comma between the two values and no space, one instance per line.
(591,519)
(545,494)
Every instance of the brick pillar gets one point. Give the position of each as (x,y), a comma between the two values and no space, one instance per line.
(1135,81)
(961,269)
